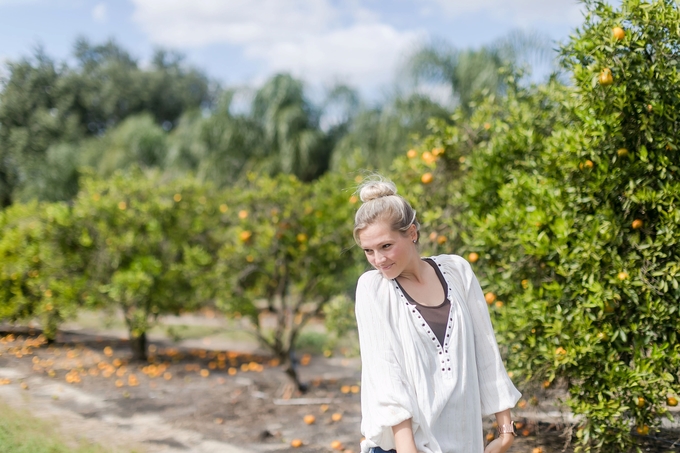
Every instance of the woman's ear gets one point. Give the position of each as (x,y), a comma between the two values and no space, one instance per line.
(413,233)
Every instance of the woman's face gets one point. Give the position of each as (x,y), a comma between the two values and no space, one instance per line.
(387,250)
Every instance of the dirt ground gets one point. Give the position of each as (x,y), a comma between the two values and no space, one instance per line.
(205,400)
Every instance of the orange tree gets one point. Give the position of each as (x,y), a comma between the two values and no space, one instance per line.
(148,244)
(287,254)
(569,212)
(41,275)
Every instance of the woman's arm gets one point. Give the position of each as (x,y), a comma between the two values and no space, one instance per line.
(386,398)
(504,441)
(403,437)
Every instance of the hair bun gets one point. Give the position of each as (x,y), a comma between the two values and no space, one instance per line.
(371,190)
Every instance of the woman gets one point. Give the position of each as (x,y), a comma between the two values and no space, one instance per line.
(431,368)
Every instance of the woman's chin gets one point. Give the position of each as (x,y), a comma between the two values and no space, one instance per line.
(388,272)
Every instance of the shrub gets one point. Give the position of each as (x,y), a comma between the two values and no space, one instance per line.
(41,275)
(148,244)
(288,252)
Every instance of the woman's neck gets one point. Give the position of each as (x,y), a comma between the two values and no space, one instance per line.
(416,270)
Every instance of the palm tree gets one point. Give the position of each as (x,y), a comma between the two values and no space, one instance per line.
(473,73)
(376,135)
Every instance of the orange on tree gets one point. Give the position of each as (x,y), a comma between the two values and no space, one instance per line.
(473,257)
(640,401)
(427,178)
(428,157)
(490,298)
(606,77)
(622,275)
(412,153)
(672,401)
(622,152)
(618,33)
(637,223)
(642,430)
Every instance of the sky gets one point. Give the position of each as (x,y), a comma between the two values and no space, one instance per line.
(242,42)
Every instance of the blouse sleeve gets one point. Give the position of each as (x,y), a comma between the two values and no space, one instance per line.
(386,398)
(497,392)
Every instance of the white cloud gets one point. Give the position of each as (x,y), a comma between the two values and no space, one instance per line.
(191,23)
(518,12)
(315,39)
(100,12)
(362,53)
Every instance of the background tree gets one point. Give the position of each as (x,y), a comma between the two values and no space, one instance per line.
(471,74)
(288,254)
(147,245)
(41,272)
(34,114)
(44,104)
(375,136)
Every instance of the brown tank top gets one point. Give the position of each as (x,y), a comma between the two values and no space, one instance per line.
(435,316)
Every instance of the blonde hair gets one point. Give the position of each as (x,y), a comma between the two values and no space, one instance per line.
(381,203)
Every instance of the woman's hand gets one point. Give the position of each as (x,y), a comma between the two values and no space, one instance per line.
(500,444)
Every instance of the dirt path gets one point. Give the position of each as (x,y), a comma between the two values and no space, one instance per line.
(83,416)
(199,408)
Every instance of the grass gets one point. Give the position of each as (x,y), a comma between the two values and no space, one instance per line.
(22,433)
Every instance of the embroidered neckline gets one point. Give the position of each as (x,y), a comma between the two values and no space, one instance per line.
(442,350)
(440,278)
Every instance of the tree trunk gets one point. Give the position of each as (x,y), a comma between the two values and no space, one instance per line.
(138,346)
(292,371)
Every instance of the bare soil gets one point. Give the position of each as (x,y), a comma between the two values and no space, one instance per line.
(207,400)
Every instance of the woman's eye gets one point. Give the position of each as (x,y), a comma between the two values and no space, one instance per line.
(386,246)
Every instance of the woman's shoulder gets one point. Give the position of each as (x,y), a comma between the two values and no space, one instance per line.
(456,264)
(456,261)
(372,279)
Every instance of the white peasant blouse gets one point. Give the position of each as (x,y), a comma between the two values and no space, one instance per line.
(406,372)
